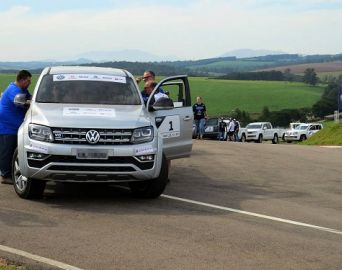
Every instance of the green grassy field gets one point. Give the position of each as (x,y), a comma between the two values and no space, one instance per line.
(223,96)
(331,134)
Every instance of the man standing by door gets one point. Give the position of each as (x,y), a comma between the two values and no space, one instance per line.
(200,114)
(11,117)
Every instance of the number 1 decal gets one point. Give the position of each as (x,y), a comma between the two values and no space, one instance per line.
(170,127)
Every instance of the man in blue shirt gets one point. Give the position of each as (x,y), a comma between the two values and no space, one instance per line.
(11,117)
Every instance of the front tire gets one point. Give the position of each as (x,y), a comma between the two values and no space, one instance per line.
(26,188)
(302,138)
(275,139)
(243,138)
(260,139)
(152,188)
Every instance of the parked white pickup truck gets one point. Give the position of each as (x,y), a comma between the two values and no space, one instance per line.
(260,131)
(302,132)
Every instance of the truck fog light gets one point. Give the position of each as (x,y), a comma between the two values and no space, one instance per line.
(38,156)
(146,158)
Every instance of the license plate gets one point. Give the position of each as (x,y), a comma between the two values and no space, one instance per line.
(209,129)
(91,154)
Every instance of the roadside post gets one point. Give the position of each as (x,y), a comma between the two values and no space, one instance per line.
(336,116)
(339,104)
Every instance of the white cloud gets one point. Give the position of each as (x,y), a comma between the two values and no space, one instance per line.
(203,29)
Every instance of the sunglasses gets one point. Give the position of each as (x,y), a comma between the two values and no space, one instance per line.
(145,78)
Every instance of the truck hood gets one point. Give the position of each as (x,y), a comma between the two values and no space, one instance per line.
(89,116)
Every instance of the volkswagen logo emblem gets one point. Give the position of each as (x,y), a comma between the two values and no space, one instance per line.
(92,136)
(60,77)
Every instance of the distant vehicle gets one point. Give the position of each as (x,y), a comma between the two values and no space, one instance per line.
(302,132)
(294,125)
(212,128)
(259,132)
(291,127)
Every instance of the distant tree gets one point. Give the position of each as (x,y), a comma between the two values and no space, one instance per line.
(328,102)
(242,116)
(288,76)
(265,114)
(310,76)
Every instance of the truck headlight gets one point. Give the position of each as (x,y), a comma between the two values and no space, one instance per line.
(40,133)
(142,135)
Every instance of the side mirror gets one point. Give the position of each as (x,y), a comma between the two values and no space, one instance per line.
(20,100)
(264,128)
(163,104)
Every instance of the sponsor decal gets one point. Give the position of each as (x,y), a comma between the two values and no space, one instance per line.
(89,77)
(60,77)
(170,135)
(38,148)
(82,111)
(144,150)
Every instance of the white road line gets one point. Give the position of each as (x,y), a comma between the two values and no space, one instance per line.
(254,214)
(38,258)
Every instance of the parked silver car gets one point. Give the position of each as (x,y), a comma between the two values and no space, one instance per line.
(90,124)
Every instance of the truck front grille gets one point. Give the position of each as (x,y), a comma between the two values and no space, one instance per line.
(78,136)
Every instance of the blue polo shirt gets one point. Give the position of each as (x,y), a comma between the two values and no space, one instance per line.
(146,97)
(11,115)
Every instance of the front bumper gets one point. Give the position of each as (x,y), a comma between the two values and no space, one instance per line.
(61,162)
(291,138)
(252,137)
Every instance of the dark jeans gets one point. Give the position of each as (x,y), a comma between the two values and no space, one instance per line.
(8,144)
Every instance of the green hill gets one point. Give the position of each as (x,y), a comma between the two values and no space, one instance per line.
(331,134)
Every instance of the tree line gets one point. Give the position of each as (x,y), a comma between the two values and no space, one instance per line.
(310,76)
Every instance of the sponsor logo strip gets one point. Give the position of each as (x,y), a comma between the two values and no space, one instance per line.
(88,77)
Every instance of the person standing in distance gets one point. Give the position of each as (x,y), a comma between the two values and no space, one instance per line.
(11,117)
(200,114)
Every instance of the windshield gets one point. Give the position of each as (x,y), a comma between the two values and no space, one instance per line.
(254,126)
(88,89)
(212,122)
(302,127)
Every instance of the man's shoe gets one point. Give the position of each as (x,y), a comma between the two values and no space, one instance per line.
(6,180)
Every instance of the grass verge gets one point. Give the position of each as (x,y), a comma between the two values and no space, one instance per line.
(5,265)
(331,134)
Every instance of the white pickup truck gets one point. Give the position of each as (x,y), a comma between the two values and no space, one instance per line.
(260,131)
(302,132)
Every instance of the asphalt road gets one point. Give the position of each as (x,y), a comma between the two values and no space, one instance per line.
(104,227)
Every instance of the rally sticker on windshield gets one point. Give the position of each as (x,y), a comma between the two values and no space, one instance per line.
(170,128)
(77,111)
(88,77)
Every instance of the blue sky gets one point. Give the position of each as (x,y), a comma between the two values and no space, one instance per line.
(191,30)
